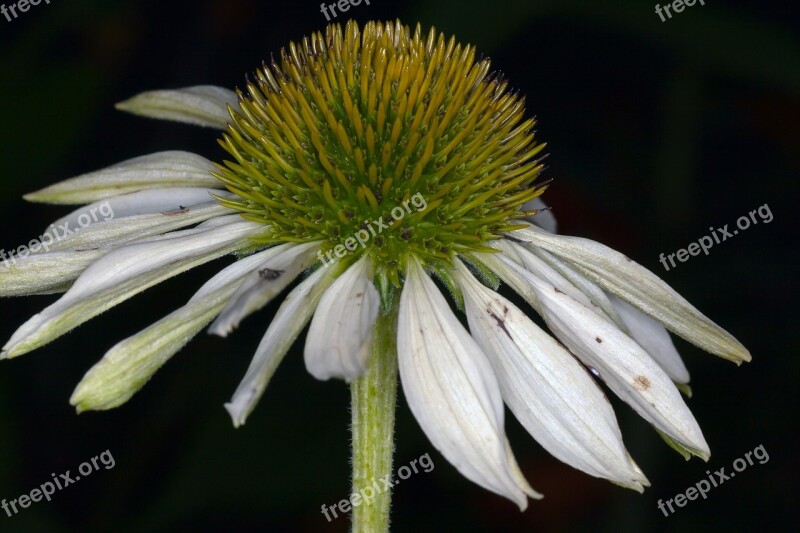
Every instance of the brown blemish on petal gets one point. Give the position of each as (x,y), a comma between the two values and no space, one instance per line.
(514,239)
(500,322)
(598,339)
(268,274)
(559,291)
(181,210)
(641,383)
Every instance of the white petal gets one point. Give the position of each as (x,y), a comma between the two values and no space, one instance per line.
(264,284)
(172,201)
(546,219)
(202,105)
(554,271)
(550,393)
(339,338)
(44,273)
(126,367)
(123,273)
(452,390)
(597,295)
(292,316)
(619,361)
(54,272)
(509,270)
(541,269)
(654,338)
(159,170)
(219,222)
(640,287)
(118,231)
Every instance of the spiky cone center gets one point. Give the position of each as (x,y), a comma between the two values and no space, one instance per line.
(357,126)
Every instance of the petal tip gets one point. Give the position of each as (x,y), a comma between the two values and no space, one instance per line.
(736,353)
(128,106)
(631,485)
(237,416)
(533,495)
(11,351)
(219,330)
(745,357)
(34,197)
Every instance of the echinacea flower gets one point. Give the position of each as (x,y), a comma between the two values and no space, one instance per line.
(330,147)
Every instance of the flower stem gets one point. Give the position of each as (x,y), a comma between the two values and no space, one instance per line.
(372,398)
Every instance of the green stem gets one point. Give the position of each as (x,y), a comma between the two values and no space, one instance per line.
(372,400)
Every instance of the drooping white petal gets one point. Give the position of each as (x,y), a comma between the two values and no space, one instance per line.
(264,284)
(546,219)
(159,170)
(124,273)
(640,287)
(292,316)
(597,295)
(218,222)
(654,338)
(44,273)
(650,334)
(126,367)
(550,393)
(116,232)
(452,390)
(154,201)
(619,361)
(40,272)
(540,268)
(509,270)
(201,105)
(339,338)
(54,272)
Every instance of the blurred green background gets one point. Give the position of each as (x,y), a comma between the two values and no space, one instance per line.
(657,131)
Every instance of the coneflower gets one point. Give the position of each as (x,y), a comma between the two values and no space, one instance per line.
(330,148)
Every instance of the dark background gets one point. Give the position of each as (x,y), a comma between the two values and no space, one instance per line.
(657,131)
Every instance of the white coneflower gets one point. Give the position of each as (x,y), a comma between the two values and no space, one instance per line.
(347,128)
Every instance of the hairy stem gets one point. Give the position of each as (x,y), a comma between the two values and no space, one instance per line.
(372,400)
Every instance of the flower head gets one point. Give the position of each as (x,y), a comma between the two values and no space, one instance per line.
(349,127)
(403,157)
